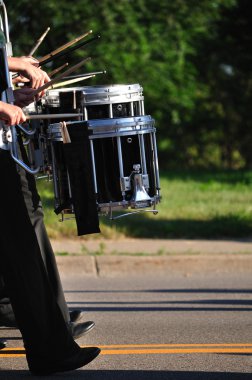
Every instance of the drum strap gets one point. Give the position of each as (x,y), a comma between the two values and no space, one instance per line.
(79,165)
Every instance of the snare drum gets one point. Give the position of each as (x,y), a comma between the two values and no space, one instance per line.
(97,102)
(124,163)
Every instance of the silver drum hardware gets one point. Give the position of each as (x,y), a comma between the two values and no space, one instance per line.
(124,164)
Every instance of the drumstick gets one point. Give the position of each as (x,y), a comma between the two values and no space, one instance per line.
(65,46)
(53,116)
(86,74)
(67,72)
(39,41)
(67,82)
(54,54)
(58,69)
(68,51)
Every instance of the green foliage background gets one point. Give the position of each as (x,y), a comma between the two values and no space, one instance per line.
(193,59)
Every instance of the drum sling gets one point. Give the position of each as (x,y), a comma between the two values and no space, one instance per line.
(78,161)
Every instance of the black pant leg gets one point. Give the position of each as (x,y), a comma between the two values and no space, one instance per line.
(37,313)
(35,211)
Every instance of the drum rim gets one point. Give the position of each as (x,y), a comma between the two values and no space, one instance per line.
(104,89)
(132,120)
(102,86)
(144,125)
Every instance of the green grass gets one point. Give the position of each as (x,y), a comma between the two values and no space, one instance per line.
(194,205)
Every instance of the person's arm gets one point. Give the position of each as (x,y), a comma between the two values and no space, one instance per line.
(28,67)
(11,115)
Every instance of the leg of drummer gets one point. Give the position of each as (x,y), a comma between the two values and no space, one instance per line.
(49,345)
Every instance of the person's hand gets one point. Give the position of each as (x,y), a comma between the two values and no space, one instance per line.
(11,115)
(28,67)
(21,78)
(24,97)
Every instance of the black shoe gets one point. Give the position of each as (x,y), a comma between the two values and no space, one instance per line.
(76,315)
(79,329)
(81,358)
(2,344)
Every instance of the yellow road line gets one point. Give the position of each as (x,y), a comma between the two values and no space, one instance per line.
(177,351)
(148,349)
(12,355)
(178,345)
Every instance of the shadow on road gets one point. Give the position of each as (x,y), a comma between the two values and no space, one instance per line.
(158,309)
(182,290)
(200,304)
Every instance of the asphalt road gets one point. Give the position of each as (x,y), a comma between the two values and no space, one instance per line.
(157,327)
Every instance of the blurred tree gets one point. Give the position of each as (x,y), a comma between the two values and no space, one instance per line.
(226,66)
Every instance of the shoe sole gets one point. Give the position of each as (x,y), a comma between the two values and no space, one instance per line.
(84,332)
(68,367)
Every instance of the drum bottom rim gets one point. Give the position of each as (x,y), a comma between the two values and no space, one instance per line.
(106,208)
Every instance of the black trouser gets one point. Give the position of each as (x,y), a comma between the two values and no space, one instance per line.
(37,313)
(34,209)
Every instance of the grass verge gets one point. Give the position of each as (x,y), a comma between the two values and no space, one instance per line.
(195,204)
